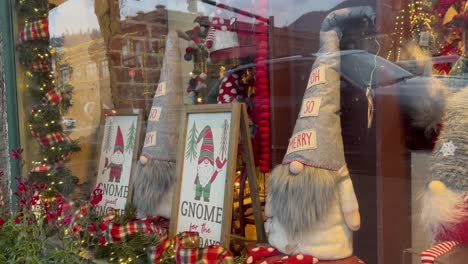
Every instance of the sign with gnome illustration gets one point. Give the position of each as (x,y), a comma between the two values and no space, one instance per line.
(116,160)
(203,184)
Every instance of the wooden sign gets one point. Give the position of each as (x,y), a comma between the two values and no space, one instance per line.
(120,136)
(206,167)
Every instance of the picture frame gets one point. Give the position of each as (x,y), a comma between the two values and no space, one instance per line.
(119,143)
(204,188)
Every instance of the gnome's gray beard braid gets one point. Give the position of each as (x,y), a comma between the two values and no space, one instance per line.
(300,201)
(151,182)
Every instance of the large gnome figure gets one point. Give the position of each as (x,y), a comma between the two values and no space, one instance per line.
(311,206)
(155,173)
(445,198)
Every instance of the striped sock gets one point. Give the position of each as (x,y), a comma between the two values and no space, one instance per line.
(428,256)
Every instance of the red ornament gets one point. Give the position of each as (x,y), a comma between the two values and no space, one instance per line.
(189,50)
(103,226)
(91,228)
(102,240)
(196,30)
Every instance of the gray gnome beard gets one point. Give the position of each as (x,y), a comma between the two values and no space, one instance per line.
(451,168)
(155,179)
(441,211)
(300,201)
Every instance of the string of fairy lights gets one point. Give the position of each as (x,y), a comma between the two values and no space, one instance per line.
(418,20)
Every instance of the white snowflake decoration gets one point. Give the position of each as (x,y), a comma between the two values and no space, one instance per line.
(448,149)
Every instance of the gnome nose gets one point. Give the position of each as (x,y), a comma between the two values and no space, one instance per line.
(437,187)
(296,167)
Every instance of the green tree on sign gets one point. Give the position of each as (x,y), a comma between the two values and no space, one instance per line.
(223,149)
(131,138)
(191,152)
(108,136)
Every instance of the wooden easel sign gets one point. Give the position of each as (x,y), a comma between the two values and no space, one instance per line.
(206,165)
(120,136)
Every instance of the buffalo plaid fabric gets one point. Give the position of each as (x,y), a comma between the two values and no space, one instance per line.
(188,252)
(35,30)
(52,97)
(47,167)
(49,140)
(429,256)
(40,66)
(117,232)
(265,256)
(211,255)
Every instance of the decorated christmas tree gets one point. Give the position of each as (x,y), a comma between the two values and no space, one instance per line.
(49,99)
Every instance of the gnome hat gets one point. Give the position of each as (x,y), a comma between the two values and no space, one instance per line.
(164,116)
(207,147)
(119,143)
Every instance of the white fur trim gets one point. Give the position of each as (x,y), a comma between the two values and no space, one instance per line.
(441,209)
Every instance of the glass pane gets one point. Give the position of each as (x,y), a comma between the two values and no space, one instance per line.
(372,86)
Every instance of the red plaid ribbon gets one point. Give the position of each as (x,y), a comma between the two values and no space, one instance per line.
(270,255)
(53,97)
(40,66)
(49,140)
(35,30)
(117,232)
(428,256)
(47,167)
(188,252)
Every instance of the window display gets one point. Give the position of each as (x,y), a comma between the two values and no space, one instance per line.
(352,148)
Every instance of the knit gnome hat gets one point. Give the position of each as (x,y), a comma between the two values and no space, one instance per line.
(222,33)
(119,144)
(207,148)
(450,157)
(155,173)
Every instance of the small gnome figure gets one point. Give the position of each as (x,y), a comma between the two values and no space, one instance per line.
(311,205)
(155,173)
(116,160)
(445,198)
(207,170)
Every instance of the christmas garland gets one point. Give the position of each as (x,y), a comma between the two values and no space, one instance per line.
(49,99)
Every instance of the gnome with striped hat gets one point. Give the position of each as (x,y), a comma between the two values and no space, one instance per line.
(207,170)
(117,159)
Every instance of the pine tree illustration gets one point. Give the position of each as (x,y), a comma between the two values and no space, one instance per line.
(223,149)
(191,152)
(131,138)
(108,136)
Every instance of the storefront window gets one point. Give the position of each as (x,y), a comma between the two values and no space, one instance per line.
(367,90)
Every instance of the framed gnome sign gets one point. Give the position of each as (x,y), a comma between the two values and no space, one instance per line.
(120,136)
(206,166)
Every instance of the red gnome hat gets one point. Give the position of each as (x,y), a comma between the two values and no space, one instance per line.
(119,143)
(207,147)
